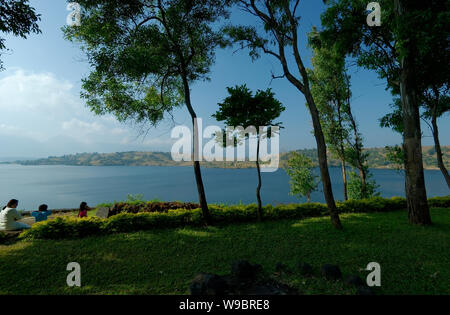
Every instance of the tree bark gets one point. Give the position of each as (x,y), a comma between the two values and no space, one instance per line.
(416,195)
(344,178)
(198,175)
(258,188)
(323,161)
(437,146)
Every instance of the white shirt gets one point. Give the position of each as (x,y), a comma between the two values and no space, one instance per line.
(8,219)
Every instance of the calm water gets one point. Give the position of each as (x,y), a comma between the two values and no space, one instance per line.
(67,186)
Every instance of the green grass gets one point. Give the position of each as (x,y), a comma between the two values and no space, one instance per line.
(413,259)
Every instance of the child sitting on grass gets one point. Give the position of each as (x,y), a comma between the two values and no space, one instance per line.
(84,208)
(42,214)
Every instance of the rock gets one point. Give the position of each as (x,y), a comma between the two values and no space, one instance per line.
(354,280)
(305,269)
(103,213)
(364,290)
(331,272)
(245,271)
(208,284)
(280,267)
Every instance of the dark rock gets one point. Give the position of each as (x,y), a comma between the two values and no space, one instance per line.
(208,284)
(103,213)
(305,269)
(245,271)
(331,272)
(364,290)
(280,267)
(354,280)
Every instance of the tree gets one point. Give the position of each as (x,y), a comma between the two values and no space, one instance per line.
(146,55)
(242,108)
(331,89)
(303,181)
(280,33)
(436,103)
(18,18)
(355,189)
(400,54)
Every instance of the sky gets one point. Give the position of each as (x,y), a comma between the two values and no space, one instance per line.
(42,114)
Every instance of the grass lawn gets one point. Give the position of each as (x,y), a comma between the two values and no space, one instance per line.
(413,259)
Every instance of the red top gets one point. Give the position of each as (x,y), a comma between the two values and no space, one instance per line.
(82,214)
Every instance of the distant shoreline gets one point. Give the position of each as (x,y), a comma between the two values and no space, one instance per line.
(376,159)
(202,165)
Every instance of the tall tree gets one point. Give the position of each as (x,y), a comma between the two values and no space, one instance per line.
(399,54)
(279,38)
(17,17)
(146,55)
(331,89)
(242,108)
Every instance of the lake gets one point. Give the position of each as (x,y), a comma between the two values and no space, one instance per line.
(67,186)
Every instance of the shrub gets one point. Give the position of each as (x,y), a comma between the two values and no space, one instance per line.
(439,202)
(131,222)
(141,206)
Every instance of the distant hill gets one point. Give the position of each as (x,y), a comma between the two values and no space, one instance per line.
(377,159)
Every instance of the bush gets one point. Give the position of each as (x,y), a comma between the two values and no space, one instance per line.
(439,202)
(131,222)
(141,206)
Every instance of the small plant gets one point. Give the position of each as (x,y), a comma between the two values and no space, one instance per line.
(303,181)
(355,189)
(138,198)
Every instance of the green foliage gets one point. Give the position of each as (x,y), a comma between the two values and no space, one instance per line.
(18,18)
(138,198)
(62,228)
(355,189)
(145,55)
(242,108)
(301,171)
(396,156)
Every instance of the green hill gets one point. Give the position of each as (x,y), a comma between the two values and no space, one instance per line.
(377,159)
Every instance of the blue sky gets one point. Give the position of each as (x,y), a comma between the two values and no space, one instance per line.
(41,113)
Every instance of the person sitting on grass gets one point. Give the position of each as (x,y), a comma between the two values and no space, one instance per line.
(42,214)
(84,208)
(9,217)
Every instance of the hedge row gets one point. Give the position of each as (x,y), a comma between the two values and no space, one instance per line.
(128,222)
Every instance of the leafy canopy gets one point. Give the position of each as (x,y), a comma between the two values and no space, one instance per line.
(17,17)
(303,180)
(145,53)
(242,108)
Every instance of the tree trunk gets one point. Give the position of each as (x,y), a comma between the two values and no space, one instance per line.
(258,188)
(344,178)
(323,161)
(308,197)
(416,195)
(198,175)
(437,146)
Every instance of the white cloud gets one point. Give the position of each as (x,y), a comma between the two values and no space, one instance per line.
(45,111)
